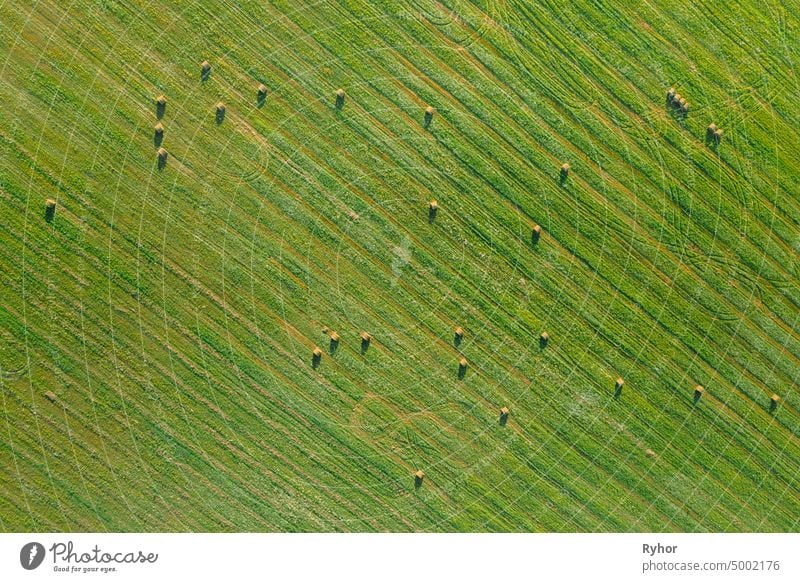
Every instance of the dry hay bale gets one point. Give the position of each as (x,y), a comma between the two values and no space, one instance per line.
(365,341)
(718,135)
(712,127)
(334,337)
(340,95)
(205,70)
(161,106)
(49,209)
(698,392)
(650,453)
(162,157)
(536,233)
(670,94)
(458,336)
(618,386)
(564,170)
(685,107)
(419,476)
(433,209)
(262,90)
(220,111)
(51,396)
(462,367)
(429,111)
(543,339)
(316,357)
(158,134)
(774,400)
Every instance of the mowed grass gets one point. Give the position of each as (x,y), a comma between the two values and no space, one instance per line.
(174,311)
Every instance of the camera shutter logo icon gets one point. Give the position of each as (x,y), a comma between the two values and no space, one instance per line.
(31,555)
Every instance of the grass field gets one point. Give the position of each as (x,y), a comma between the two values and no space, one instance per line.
(173,311)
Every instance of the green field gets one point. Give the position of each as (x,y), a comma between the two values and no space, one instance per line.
(173,311)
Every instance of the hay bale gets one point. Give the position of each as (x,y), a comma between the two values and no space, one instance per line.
(718,135)
(334,337)
(219,114)
(712,127)
(429,111)
(316,357)
(536,233)
(161,106)
(340,94)
(618,385)
(685,107)
(462,367)
(670,94)
(774,400)
(51,396)
(698,392)
(158,134)
(504,411)
(419,476)
(365,337)
(162,157)
(458,335)
(676,99)
(544,338)
(564,170)
(433,209)
(205,70)
(262,90)
(49,209)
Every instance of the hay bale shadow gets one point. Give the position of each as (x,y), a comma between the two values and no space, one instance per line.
(158,135)
(50,210)
(462,369)
(316,358)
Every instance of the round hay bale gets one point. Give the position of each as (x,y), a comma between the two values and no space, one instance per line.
(262,90)
(419,476)
(536,233)
(49,209)
(161,100)
(774,400)
(205,67)
(158,129)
